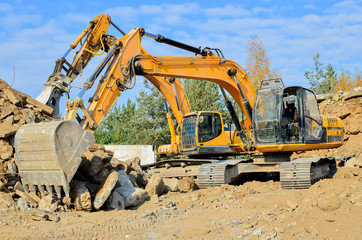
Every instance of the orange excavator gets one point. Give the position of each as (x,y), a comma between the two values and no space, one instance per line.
(278,121)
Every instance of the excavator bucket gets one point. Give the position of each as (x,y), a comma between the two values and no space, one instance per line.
(48,154)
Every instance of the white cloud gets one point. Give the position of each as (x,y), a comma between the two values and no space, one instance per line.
(310,7)
(257,10)
(4,7)
(228,10)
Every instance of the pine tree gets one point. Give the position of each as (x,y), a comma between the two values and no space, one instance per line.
(321,82)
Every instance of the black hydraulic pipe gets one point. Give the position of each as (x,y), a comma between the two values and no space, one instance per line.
(234,117)
(98,70)
(116,27)
(162,39)
(246,103)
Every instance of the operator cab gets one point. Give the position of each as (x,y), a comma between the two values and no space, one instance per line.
(286,115)
(203,134)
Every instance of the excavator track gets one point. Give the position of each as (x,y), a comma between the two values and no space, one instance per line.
(302,172)
(215,174)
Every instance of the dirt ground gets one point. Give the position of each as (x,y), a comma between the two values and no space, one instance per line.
(330,209)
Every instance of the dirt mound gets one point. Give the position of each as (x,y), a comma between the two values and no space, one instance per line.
(330,209)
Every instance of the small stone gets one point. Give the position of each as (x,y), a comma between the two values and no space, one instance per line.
(23,205)
(105,191)
(258,231)
(171,204)
(248,225)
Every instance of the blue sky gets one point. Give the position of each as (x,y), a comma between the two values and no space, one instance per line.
(33,34)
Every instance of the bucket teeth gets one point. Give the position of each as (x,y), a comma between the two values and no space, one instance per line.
(58,190)
(66,190)
(42,190)
(50,189)
(33,188)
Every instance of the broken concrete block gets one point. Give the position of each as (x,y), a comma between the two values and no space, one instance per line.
(7,130)
(81,196)
(6,150)
(132,196)
(105,191)
(155,185)
(115,201)
(49,203)
(186,184)
(29,115)
(95,147)
(27,198)
(95,167)
(13,98)
(171,184)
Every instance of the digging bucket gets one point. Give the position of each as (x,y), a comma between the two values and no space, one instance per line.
(48,154)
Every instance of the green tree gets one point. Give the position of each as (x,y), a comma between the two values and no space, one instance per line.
(203,95)
(137,122)
(321,81)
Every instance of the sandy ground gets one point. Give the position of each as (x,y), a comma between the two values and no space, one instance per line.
(330,209)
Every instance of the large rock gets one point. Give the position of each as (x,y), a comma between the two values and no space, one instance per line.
(96,166)
(171,184)
(132,196)
(135,164)
(105,191)
(81,196)
(186,184)
(328,202)
(155,185)
(115,201)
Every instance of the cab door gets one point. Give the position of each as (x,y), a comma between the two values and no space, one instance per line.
(313,131)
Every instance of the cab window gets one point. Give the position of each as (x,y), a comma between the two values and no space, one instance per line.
(210,126)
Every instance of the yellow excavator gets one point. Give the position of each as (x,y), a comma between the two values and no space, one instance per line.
(278,121)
